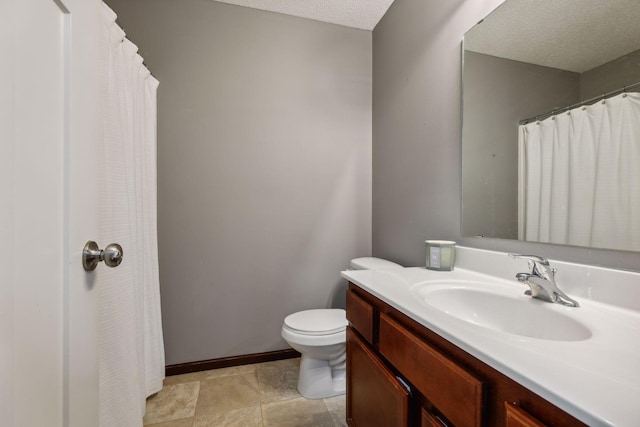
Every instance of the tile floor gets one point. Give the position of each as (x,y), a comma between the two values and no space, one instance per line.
(263,394)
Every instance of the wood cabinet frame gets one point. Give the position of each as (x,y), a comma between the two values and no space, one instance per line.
(498,388)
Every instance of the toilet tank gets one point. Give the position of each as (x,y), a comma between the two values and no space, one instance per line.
(372,263)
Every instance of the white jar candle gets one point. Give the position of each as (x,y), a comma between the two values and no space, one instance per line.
(441,254)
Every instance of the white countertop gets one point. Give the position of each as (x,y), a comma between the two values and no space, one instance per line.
(597,380)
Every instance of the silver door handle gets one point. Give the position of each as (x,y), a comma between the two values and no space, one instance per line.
(92,255)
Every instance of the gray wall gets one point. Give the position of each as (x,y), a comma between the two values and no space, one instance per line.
(417,134)
(611,76)
(264,163)
(515,90)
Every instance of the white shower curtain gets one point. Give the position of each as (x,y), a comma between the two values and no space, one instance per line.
(131,348)
(580,176)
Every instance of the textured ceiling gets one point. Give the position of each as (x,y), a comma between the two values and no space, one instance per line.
(363,14)
(572,35)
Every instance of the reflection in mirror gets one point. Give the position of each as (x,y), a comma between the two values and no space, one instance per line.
(551,123)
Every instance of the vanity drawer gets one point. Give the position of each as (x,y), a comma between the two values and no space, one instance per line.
(517,417)
(456,393)
(360,314)
(429,420)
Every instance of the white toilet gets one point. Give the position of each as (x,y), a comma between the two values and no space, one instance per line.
(320,336)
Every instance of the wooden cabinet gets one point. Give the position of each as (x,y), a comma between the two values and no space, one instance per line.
(387,351)
(428,419)
(375,397)
(517,417)
(360,315)
(454,391)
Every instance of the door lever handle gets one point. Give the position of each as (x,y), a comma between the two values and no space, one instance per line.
(91,255)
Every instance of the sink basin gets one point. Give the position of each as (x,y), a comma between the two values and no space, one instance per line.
(503,309)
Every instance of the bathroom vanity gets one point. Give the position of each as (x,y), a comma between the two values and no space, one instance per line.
(428,348)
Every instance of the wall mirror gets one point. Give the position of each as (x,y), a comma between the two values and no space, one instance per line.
(551,123)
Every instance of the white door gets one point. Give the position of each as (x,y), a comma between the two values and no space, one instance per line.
(50,117)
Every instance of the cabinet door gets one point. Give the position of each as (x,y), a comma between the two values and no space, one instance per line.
(430,420)
(517,417)
(375,397)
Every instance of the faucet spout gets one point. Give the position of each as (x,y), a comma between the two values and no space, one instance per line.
(541,281)
(545,290)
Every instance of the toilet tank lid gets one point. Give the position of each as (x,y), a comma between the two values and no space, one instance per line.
(372,263)
(317,322)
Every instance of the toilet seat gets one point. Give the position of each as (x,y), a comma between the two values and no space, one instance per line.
(317,322)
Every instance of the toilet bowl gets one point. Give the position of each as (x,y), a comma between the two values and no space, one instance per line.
(320,337)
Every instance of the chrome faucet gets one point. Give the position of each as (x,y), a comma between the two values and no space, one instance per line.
(542,281)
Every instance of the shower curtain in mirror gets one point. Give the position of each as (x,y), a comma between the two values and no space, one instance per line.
(579,176)
(131,348)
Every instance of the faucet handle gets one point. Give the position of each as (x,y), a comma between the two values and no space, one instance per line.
(538,265)
(535,258)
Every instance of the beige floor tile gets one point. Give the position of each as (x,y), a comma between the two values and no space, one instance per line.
(172,403)
(183,378)
(243,417)
(230,397)
(283,364)
(225,372)
(337,407)
(296,413)
(224,394)
(277,382)
(183,422)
